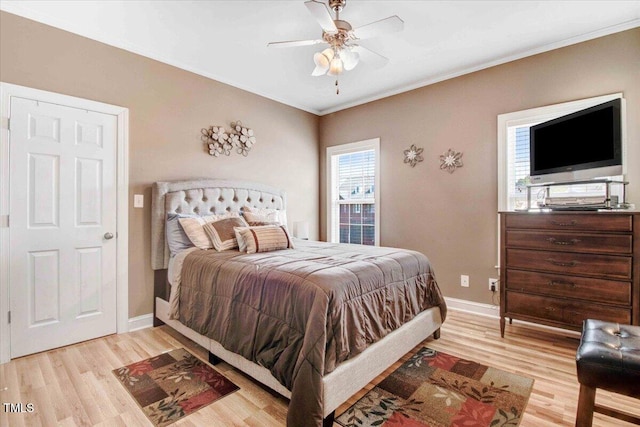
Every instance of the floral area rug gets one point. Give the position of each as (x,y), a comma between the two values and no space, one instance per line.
(173,385)
(436,389)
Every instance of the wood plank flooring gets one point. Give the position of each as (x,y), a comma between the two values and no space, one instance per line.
(74,386)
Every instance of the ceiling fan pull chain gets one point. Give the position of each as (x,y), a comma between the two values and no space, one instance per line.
(337,88)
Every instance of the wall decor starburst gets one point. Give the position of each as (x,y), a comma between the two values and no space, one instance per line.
(413,155)
(219,141)
(450,161)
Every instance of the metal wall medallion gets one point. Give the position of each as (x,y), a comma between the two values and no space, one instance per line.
(413,155)
(450,161)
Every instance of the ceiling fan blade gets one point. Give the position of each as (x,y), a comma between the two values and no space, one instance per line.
(322,15)
(391,24)
(370,57)
(295,43)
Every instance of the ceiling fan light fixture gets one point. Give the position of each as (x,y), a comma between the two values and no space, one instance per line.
(322,60)
(343,54)
(319,71)
(336,66)
(349,59)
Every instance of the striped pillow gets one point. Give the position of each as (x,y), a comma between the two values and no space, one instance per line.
(222,232)
(263,239)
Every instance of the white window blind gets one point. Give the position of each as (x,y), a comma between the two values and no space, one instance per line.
(353,194)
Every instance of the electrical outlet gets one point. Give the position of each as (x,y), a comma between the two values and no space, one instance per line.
(493,285)
(464,280)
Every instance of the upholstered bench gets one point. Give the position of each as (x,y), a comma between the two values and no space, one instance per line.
(608,358)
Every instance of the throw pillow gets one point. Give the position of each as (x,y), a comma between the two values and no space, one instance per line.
(222,232)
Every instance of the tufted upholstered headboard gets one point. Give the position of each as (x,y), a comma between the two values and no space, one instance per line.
(203,197)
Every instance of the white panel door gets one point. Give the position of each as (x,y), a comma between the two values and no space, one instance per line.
(62,225)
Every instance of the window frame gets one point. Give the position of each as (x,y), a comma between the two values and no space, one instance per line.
(333,229)
(539,114)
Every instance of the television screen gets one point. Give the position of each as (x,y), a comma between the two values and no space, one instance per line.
(580,144)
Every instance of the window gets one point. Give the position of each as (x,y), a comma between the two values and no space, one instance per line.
(353,193)
(513,153)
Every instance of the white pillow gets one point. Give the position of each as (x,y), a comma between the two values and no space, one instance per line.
(193,228)
(265,215)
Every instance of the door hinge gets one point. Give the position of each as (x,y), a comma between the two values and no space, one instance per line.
(4,221)
(9,317)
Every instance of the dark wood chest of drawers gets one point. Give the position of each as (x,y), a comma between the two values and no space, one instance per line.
(559,268)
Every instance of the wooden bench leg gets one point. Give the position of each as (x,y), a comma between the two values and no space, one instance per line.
(586,403)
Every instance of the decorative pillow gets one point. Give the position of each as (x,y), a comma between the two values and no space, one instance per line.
(261,223)
(222,232)
(242,245)
(264,239)
(264,215)
(177,240)
(193,228)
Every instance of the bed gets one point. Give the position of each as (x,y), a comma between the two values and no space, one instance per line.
(304,349)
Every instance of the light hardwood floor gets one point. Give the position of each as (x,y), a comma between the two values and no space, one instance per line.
(74,386)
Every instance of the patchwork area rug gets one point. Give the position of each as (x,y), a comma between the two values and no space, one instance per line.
(436,389)
(173,385)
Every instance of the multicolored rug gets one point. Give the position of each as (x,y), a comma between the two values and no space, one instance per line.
(173,385)
(436,389)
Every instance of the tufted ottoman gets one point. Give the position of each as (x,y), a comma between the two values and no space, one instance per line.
(608,358)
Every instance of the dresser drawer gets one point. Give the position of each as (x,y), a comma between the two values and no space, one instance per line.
(606,266)
(581,288)
(572,242)
(581,222)
(570,312)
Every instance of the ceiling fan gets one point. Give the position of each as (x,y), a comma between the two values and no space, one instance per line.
(343,52)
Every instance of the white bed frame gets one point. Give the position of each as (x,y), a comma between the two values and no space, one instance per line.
(203,196)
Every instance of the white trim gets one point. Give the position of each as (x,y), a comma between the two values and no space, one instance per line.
(345,149)
(19,8)
(140,322)
(468,70)
(473,307)
(493,311)
(539,114)
(7,91)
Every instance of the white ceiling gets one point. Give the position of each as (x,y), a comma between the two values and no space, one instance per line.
(227,40)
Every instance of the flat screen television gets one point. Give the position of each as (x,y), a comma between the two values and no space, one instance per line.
(583,145)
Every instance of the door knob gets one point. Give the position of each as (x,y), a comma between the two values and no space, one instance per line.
(108,236)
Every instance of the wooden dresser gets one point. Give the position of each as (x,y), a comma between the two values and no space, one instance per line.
(559,268)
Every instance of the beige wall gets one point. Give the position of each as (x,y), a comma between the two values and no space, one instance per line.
(452,217)
(167,108)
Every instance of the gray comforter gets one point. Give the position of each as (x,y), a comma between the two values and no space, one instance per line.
(300,312)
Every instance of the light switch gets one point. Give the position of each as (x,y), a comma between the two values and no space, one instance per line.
(138,200)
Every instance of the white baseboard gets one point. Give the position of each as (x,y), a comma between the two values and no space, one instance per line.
(141,322)
(494,311)
(146,320)
(473,307)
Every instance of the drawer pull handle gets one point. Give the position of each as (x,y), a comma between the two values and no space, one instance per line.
(562,263)
(555,241)
(571,223)
(550,308)
(561,283)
